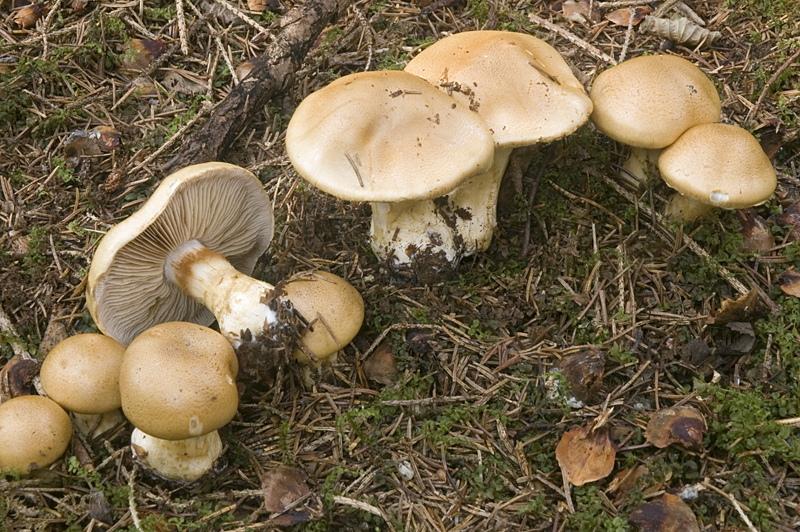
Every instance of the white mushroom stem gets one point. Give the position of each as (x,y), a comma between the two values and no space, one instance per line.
(235,299)
(643,164)
(182,460)
(685,209)
(404,229)
(474,204)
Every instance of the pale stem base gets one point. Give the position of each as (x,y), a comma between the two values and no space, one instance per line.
(685,209)
(93,425)
(182,460)
(642,163)
(406,229)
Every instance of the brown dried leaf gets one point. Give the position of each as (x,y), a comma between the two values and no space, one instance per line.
(790,282)
(381,367)
(584,371)
(107,138)
(681,424)
(741,309)
(574,11)
(137,54)
(282,486)
(16,377)
(771,136)
(586,455)
(666,514)
(628,15)
(757,236)
(174,81)
(79,144)
(55,332)
(790,218)
(625,480)
(29,15)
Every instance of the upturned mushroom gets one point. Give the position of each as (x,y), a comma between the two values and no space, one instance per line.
(34,433)
(177,388)
(392,139)
(715,165)
(524,91)
(186,255)
(647,103)
(81,373)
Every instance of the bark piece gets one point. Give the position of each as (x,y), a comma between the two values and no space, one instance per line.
(273,72)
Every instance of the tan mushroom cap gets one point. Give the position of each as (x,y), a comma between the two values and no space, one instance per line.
(649,101)
(719,164)
(323,296)
(177,381)
(221,205)
(386,136)
(81,373)
(34,432)
(520,85)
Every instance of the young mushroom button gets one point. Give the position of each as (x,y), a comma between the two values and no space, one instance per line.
(177,388)
(34,433)
(392,139)
(648,102)
(524,91)
(186,255)
(715,165)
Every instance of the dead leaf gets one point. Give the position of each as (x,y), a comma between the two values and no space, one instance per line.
(175,82)
(625,480)
(107,138)
(282,486)
(55,332)
(741,309)
(790,282)
(16,377)
(757,235)
(584,371)
(78,144)
(628,15)
(666,514)
(740,339)
(137,54)
(681,424)
(771,136)
(260,6)
(586,455)
(29,15)
(381,367)
(790,219)
(574,11)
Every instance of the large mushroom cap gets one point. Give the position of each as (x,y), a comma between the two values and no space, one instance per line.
(34,432)
(221,205)
(519,84)
(719,164)
(649,101)
(81,373)
(386,136)
(177,381)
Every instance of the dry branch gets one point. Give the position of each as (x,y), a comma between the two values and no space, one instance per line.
(273,71)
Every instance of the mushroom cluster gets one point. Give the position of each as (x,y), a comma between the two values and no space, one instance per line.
(428,146)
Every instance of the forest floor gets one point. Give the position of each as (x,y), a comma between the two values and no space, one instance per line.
(584,291)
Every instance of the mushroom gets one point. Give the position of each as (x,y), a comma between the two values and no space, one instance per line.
(647,103)
(81,373)
(392,139)
(34,433)
(177,388)
(715,165)
(525,92)
(186,255)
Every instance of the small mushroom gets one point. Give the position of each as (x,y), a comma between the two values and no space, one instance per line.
(177,388)
(648,102)
(715,165)
(34,433)
(186,255)
(81,373)
(525,92)
(392,139)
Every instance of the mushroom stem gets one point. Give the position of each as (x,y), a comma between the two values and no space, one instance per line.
(182,460)
(240,303)
(404,230)
(234,298)
(93,425)
(474,205)
(643,164)
(684,209)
